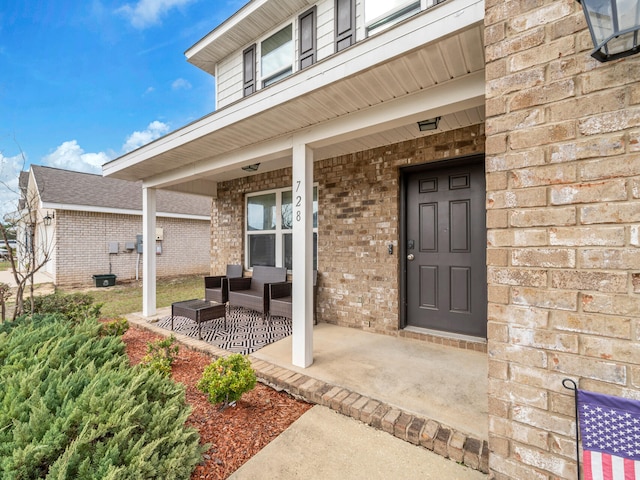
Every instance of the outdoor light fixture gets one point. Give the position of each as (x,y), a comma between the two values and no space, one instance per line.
(431,124)
(614,26)
(251,168)
(48,218)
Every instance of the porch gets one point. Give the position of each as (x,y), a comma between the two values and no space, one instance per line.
(430,395)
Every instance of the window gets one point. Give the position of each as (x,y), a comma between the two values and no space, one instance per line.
(381,14)
(276,56)
(269,233)
(345,24)
(249,70)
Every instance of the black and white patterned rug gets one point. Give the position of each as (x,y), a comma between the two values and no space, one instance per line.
(245,332)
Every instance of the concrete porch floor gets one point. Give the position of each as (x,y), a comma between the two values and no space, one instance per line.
(446,384)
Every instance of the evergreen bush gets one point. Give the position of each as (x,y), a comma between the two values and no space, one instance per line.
(71,406)
(76,306)
(225,380)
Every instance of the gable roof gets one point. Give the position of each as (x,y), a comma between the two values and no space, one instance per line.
(65,189)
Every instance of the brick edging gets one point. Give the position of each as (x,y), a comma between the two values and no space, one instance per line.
(406,426)
(421,431)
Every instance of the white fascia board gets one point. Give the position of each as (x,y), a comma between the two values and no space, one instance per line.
(439,22)
(32,185)
(262,152)
(120,211)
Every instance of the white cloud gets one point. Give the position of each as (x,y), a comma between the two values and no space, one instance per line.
(10,168)
(148,91)
(70,156)
(181,84)
(154,130)
(148,12)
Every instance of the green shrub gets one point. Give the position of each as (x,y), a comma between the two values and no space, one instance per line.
(72,407)
(76,306)
(116,327)
(160,355)
(225,380)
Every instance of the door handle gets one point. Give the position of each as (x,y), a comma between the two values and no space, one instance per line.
(410,257)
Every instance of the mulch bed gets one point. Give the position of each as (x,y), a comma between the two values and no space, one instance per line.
(234,434)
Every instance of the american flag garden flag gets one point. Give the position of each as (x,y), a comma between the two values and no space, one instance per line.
(610,433)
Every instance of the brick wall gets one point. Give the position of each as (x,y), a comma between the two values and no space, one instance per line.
(82,246)
(357,220)
(563,177)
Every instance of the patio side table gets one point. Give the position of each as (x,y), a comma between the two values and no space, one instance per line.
(199,311)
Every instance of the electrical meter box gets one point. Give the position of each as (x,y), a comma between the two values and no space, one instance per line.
(139,243)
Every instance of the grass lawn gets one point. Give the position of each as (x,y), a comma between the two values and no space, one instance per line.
(127,297)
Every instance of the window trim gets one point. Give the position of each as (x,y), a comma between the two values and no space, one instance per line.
(279,232)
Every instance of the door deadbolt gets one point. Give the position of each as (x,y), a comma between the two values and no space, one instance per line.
(410,257)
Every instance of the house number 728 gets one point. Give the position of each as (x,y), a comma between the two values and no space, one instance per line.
(298,202)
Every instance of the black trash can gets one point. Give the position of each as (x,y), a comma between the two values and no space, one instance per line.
(106,280)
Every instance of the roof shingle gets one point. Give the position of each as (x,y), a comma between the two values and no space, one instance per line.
(70,188)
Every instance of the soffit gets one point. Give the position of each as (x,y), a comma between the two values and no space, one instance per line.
(358,84)
(242,29)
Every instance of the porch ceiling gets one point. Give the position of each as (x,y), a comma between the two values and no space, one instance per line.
(368,89)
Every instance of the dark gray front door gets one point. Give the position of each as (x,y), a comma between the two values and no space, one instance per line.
(446,283)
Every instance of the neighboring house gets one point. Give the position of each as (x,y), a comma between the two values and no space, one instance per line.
(462,173)
(85,225)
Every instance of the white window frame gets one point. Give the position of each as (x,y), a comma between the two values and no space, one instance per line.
(279,232)
(392,17)
(275,77)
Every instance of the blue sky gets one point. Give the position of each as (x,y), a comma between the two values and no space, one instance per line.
(85,81)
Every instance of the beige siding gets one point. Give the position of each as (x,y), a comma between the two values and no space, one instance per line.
(326,29)
(229,80)
(81,248)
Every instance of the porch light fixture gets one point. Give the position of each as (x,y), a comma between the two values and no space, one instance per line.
(431,124)
(251,168)
(614,26)
(48,218)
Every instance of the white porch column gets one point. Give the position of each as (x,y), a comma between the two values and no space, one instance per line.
(302,307)
(149,249)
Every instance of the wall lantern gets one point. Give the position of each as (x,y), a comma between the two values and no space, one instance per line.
(431,124)
(48,218)
(251,168)
(614,26)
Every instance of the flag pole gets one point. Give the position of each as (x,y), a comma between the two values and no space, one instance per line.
(571,385)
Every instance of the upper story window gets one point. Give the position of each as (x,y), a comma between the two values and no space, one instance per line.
(381,14)
(276,56)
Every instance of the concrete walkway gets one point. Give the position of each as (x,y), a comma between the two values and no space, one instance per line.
(323,444)
(6,276)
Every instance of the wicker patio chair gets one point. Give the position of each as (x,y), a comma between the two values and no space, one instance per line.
(216,288)
(253,292)
(280,299)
